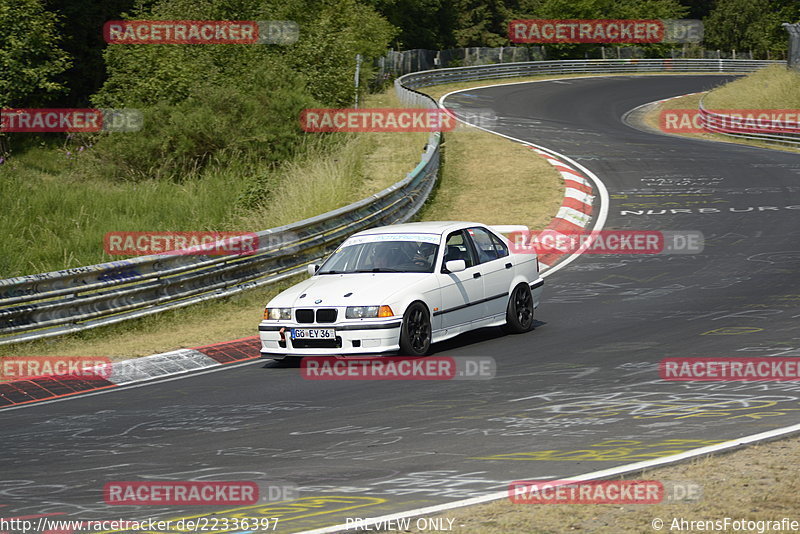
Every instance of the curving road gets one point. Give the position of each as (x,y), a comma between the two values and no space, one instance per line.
(579,394)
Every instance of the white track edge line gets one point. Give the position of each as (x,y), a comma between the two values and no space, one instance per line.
(72,397)
(602,215)
(597,474)
(605,473)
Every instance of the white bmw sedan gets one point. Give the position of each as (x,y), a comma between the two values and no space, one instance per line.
(401,288)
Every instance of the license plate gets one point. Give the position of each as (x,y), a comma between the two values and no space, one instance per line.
(313,333)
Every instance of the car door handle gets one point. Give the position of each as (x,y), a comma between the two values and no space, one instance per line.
(476,275)
(509,265)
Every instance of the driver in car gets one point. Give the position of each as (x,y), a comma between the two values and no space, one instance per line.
(425,255)
(385,257)
(406,256)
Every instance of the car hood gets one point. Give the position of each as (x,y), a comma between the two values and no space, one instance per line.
(367,289)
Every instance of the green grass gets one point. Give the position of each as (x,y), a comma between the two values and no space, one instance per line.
(325,178)
(755,484)
(774,87)
(515,185)
(522,188)
(54,217)
(55,211)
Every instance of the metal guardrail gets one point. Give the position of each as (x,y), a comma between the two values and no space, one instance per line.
(755,128)
(50,304)
(582,66)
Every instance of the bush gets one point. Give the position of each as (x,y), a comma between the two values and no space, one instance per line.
(216,103)
(214,124)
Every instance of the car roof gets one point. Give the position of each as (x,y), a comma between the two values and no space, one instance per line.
(427,227)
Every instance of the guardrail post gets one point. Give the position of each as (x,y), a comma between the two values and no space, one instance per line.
(154,283)
(793,59)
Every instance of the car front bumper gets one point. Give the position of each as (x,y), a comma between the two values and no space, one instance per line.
(367,336)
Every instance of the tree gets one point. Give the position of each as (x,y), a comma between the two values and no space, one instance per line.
(332,32)
(600,9)
(698,9)
(482,23)
(212,103)
(424,24)
(747,25)
(30,56)
(83,41)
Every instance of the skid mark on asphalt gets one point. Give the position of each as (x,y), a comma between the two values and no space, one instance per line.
(284,512)
(608,451)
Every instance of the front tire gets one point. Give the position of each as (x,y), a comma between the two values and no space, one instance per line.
(415,332)
(519,312)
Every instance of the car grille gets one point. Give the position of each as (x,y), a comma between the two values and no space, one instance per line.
(323,315)
(326,315)
(304,316)
(317,343)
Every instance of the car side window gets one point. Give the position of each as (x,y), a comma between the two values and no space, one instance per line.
(487,245)
(499,246)
(457,248)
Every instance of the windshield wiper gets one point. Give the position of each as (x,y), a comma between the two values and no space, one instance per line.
(378,270)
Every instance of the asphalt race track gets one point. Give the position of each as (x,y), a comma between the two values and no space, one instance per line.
(579,394)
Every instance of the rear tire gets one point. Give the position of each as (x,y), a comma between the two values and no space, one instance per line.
(519,312)
(415,332)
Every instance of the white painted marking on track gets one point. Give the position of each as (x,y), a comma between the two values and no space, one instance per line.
(578,195)
(602,214)
(575,177)
(572,215)
(606,473)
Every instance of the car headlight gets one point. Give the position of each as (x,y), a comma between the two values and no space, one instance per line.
(277,314)
(365,312)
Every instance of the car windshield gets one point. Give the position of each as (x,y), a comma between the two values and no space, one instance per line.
(381,253)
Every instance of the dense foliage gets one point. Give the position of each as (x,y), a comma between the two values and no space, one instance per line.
(215,103)
(206,103)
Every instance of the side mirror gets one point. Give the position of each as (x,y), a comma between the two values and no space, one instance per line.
(455,266)
(312,268)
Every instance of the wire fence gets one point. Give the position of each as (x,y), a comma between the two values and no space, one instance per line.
(56,303)
(398,63)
